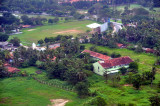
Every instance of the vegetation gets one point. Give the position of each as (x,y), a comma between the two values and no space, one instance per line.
(29,37)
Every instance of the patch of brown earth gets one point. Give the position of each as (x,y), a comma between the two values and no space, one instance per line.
(58,102)
(128,85)
(4,100)
(31,29)
(68,31)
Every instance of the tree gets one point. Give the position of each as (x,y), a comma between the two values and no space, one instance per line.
(3,37)
(98,101)
(155,100)
(123,70)
(115,55)
(82,89)
(139,49)
(15,41)
(106,76)
(50,21)
(153,73)
(133,66)
(55,20)
(40,41)
(3,71)
(26,20)
(136,81)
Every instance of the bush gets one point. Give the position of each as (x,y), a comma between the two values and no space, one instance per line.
(88,73)
(82,89)
(155,100)
(97,101)
(115,55)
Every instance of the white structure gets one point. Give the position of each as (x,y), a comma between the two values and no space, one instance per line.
(94,25)
(104,27)
(38,48)
(33,46)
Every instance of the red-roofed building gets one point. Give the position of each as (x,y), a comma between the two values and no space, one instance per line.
(121,45)
(148,50)
(97,55)
(112,65)
(26,26)
(11,69)
(54,58)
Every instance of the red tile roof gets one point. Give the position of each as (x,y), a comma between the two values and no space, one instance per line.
(26,26)
(12,69)
(116,62)
(148,50)
(55,47)
(54,58)
(97,55)
(119,45)
(6,65)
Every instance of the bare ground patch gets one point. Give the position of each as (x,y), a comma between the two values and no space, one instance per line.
(31,29)
(58,102)
(72,31)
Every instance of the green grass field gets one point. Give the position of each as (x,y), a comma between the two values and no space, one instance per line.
(121,8)
(18,91)
(70,28)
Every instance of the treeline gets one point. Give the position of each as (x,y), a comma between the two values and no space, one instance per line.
(145,33)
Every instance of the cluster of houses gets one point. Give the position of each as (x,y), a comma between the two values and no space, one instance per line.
(7,46)
(108,64)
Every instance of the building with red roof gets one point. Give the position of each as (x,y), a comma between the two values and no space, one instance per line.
(148,50)
(10,68)
(120,45)
(26,26)
(112,65)
(97,55)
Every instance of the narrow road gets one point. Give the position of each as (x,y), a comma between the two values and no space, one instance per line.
(117,27)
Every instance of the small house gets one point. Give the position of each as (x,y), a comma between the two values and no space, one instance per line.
(10,68)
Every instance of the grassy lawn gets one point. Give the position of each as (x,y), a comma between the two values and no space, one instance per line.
(121,8)
(20,91)
(70,28)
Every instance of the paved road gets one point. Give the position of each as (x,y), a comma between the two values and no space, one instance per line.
(117,26)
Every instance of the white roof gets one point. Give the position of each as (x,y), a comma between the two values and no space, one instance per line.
(94,25)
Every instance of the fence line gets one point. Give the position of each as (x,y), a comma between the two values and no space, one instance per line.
(67,88)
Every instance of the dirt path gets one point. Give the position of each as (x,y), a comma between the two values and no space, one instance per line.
(68,31)
(58,102)
(31,29)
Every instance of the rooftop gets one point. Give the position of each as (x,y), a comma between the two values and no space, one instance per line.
(94,25)
(97,55)
(116,62)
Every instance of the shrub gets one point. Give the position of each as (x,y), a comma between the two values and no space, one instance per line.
(82,89)
(115,55)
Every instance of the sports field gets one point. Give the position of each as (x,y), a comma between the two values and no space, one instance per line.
(31,35)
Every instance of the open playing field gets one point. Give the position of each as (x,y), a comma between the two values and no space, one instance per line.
(34,34)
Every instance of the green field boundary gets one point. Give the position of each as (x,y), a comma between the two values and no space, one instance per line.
(54,84)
